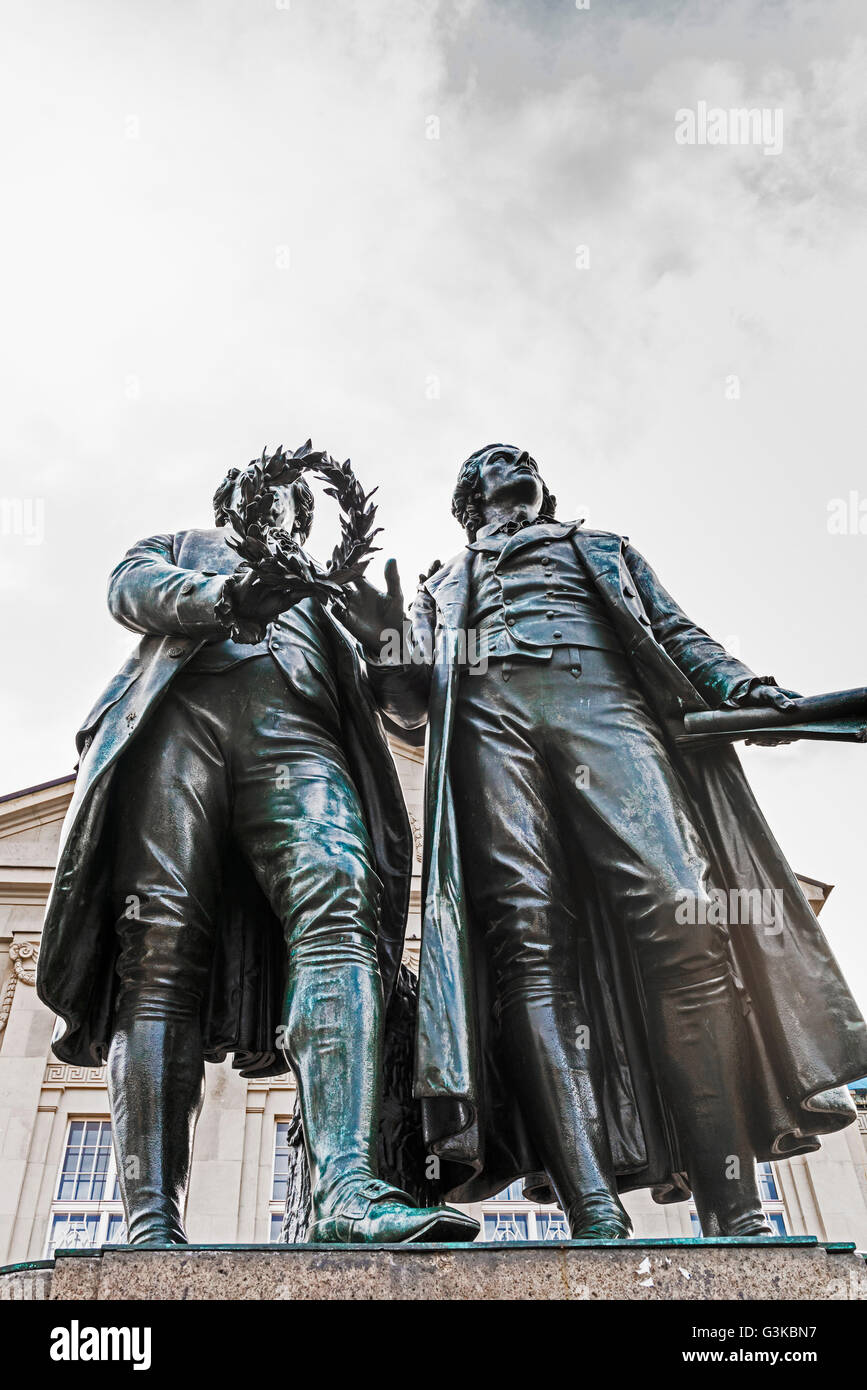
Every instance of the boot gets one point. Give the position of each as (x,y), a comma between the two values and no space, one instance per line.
(334,1046)
(704,1069)
(156,1087)
(376,1213)
(558,1101)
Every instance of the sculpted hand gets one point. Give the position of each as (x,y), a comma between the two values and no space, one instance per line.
(768,695)
(432,570)
(777,698)
(254,600)
(367,613)
(247,604)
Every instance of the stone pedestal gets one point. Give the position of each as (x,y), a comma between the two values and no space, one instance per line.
(648,1270)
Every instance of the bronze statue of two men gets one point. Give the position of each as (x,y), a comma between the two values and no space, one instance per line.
(234,878)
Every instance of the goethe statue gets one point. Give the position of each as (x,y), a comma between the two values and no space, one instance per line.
(589,1020)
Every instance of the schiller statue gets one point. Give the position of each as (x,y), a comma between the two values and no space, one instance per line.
(589,1019)
(234,876)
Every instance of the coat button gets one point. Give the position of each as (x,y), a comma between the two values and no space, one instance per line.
(176,651)
(558,634)
(510,620)
(550,614)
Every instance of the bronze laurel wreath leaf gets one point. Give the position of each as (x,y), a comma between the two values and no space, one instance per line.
(272,553)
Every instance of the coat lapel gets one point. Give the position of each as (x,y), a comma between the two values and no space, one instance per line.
(532,535)
(601,551)
(502,545)
(449,588)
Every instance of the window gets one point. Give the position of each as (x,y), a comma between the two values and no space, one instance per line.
(551,1226)
(767,1183)
(509,1216)
(279,1180)
(513,1193)
(86,1162)
(772,1202)
(506,1226)
(86,1211)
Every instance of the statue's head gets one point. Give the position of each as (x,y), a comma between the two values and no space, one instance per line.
(292,507)
(497,476)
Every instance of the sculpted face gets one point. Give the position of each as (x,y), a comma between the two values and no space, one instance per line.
(509,476)
(283,509)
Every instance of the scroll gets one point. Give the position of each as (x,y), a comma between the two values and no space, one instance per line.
(840,717)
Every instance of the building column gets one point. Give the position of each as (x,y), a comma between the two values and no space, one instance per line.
(218,1153)
(24,1042)
(249,1196)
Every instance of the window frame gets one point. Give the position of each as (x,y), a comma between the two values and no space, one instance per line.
(504,1207)
(105,1208)
(276,1205)
(773,1207)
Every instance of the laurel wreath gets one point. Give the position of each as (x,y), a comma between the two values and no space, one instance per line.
(272,553)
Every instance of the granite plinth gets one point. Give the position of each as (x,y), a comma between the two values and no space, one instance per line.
(647,1270)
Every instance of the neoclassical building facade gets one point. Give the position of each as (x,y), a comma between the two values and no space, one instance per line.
(57,1176)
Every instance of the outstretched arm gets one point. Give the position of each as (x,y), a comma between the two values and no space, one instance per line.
(720,677)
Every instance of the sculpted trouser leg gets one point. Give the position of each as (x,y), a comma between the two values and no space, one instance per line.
(555,755)
(636,830)
(299,821)
(298,818)
(520,889)
(171,806)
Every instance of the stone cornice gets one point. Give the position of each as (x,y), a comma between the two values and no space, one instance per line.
(35,807)
(405,750)
(24,886)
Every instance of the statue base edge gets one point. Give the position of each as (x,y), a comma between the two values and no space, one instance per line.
(793,1267)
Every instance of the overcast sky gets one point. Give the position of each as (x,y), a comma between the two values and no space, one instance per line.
(227,223)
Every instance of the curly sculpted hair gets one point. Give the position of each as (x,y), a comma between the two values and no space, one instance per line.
(303,522)
(467,496)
